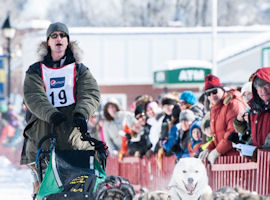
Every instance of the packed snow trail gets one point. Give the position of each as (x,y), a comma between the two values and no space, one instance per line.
(15,183)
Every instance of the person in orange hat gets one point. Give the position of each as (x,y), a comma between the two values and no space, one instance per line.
(224,107)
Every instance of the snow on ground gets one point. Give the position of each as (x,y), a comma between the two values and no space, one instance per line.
(15,183)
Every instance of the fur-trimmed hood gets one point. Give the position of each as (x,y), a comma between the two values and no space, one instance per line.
(42,51)
(256,103)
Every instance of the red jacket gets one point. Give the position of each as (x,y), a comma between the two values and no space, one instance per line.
(221,121)
(260,113)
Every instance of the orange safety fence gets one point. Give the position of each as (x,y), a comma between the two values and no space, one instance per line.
(228,171)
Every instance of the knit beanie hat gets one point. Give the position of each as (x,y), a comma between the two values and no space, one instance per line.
(187,115)
(188,97)
(211,81)
(58,26)
(139,109)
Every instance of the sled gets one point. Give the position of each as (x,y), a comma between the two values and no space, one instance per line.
(70,174)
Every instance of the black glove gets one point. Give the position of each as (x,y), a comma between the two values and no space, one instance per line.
(80,122)
(233,137)
(57,118)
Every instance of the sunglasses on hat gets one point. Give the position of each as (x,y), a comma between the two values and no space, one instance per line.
(211,92)
(55,35)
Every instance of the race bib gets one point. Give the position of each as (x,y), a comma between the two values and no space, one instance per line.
(59,84)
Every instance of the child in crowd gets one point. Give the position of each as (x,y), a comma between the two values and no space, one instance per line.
(195,133)
(206,130)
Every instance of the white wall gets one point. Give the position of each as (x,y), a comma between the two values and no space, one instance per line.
(238,70)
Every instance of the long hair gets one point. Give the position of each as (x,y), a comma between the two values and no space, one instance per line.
(175,115)
(107,115)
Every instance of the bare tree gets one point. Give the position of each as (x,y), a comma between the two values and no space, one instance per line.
(148,12)
(14,8)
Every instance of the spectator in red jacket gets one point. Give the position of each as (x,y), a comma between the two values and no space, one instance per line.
(224,107)
(260,108)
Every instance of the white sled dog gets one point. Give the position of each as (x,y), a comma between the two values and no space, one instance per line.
(189,180)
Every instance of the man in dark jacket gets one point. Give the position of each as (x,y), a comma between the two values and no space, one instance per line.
(59,91)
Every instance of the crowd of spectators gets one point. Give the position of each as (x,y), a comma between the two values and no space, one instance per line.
(184,124)
(189,124)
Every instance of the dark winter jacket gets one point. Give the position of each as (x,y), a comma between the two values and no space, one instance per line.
(142,145)
(173,138)
(87,98)
(164,131)
(180,149)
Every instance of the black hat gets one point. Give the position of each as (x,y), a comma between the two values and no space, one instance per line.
(58,26)
(139,109)
(168,101)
